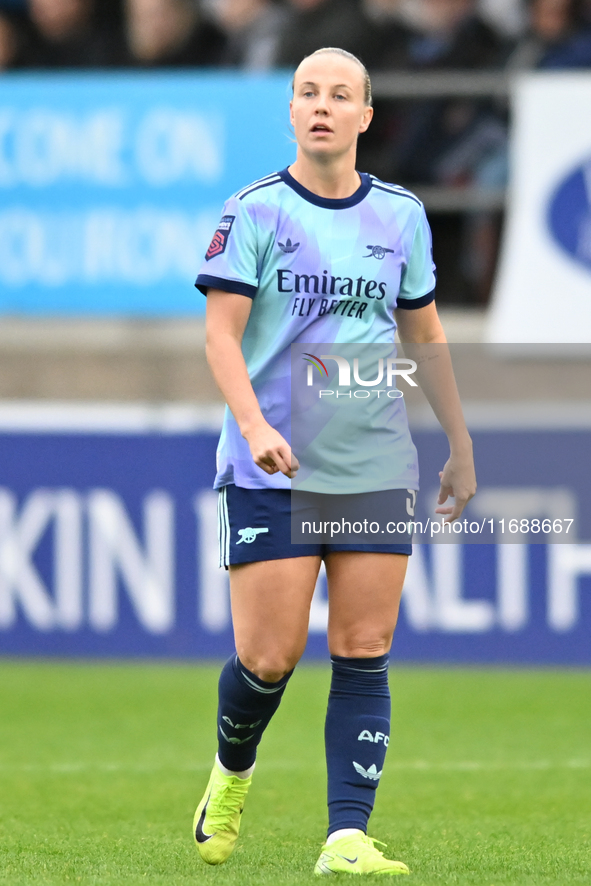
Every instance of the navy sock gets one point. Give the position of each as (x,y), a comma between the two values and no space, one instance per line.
(246,704)
(357,733)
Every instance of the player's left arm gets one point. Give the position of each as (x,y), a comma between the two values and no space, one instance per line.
(424,341)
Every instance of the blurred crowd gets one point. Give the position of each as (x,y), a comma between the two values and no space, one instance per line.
(262,34)
(449,142)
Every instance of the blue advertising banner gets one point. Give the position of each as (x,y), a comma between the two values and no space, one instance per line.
(112,185)
(108,547)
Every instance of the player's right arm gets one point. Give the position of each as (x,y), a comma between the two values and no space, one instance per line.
(226,318)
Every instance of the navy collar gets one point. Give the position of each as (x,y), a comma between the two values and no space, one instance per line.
(329,202)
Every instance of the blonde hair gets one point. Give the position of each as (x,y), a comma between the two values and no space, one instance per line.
(367,99)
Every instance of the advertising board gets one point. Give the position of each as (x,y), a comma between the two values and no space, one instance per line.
(111,185)
(108,544)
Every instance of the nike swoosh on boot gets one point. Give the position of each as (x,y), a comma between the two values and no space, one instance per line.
(200,835)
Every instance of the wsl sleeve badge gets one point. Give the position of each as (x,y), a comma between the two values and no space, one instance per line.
(220,238)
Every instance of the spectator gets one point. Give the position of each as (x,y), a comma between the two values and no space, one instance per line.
(13,41)
(318,23)
(253,29)
(68,34)
(453,142)
(559,37)
(170,33)
(451,34)
(507,17)
(447,139)
(391,35)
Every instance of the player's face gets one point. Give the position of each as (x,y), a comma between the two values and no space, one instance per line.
(328,110)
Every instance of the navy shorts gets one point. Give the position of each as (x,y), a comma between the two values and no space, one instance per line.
(256,524)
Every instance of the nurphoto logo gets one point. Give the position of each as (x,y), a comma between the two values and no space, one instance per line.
(386,372)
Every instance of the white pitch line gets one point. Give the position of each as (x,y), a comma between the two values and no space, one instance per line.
(403,765)
(478,766)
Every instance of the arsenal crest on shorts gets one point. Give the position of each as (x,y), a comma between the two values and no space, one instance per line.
(220,238)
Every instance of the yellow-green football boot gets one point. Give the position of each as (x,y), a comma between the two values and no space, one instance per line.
(356,854)
(217,819)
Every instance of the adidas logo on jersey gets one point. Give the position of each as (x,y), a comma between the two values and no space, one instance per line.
(288,246)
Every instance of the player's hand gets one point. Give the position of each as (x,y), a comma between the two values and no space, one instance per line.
(458,481)
(270,451)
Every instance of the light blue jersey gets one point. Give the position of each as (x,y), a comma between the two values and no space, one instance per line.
(318,270)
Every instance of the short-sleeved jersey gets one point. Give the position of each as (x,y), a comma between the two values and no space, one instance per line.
(318,270)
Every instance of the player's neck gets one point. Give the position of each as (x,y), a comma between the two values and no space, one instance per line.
(335,180)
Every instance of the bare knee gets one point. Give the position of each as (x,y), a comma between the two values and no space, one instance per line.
(268,666)
(352,646)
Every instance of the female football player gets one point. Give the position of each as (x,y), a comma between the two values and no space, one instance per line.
(289,263)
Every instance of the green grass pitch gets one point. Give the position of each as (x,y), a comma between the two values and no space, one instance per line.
(487,778)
